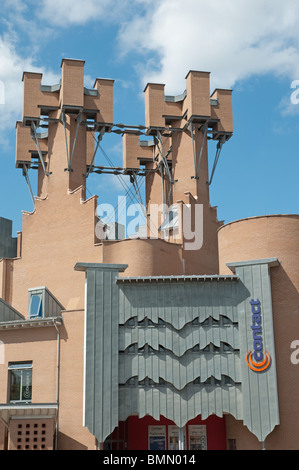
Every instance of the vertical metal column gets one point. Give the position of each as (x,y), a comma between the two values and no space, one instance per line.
(181,439)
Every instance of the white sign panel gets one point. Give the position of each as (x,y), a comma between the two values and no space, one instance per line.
(197,437)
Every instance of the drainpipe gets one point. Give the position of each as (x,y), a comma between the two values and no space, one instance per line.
(57,381)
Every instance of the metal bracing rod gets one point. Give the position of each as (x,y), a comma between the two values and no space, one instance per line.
(79,120)
(65,135)
(218,151)
(135,184)
(169,194)
(100,136)
(202,146)
(196,170)
(121,180)
(25,173)
(164,156)
(34,136)
(193,146)
(164,160)
(163,193)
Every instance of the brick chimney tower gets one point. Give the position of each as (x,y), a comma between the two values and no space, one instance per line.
(54,135)
(177,155)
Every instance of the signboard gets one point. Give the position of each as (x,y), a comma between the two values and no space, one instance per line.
(197,437)
(261,359)
(157,438)
(257,347)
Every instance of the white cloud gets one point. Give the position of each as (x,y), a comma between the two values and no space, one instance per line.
(76,12)
(12,66)
(71,12)
(232,39)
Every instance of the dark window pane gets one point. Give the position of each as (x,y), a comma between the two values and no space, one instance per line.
(15,384)
(36,306)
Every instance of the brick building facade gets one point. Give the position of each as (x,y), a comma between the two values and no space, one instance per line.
(144,342)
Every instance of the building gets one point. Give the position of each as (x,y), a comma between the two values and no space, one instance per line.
(177,339)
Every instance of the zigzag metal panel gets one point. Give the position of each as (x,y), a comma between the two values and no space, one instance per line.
(180,405)
(179,348)
(179,303)
(179,341)
(182,371)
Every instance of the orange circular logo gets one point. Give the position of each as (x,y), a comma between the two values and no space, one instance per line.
(258,366)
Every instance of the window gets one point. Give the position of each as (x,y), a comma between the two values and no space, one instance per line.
(232,444)
(20,381)
(35,306)
(42,303)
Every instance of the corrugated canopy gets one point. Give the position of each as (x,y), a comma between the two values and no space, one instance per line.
(10,411)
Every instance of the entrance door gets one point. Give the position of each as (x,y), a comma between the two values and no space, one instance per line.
(118,440)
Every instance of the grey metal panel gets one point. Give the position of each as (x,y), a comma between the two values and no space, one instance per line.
(178,341)
(179,371)
(180,406)
(8,244)
(177,303)
(176,98)
(52,306)
(271,262)
(8,313)
(50,88)
(260,395)
(111,366)
(101,339)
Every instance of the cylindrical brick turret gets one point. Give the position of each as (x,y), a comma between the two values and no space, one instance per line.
(273,236)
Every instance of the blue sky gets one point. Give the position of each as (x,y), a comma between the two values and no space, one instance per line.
(251,47)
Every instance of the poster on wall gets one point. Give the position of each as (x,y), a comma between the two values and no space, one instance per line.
(157,438)
(197,437)
(173,438)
